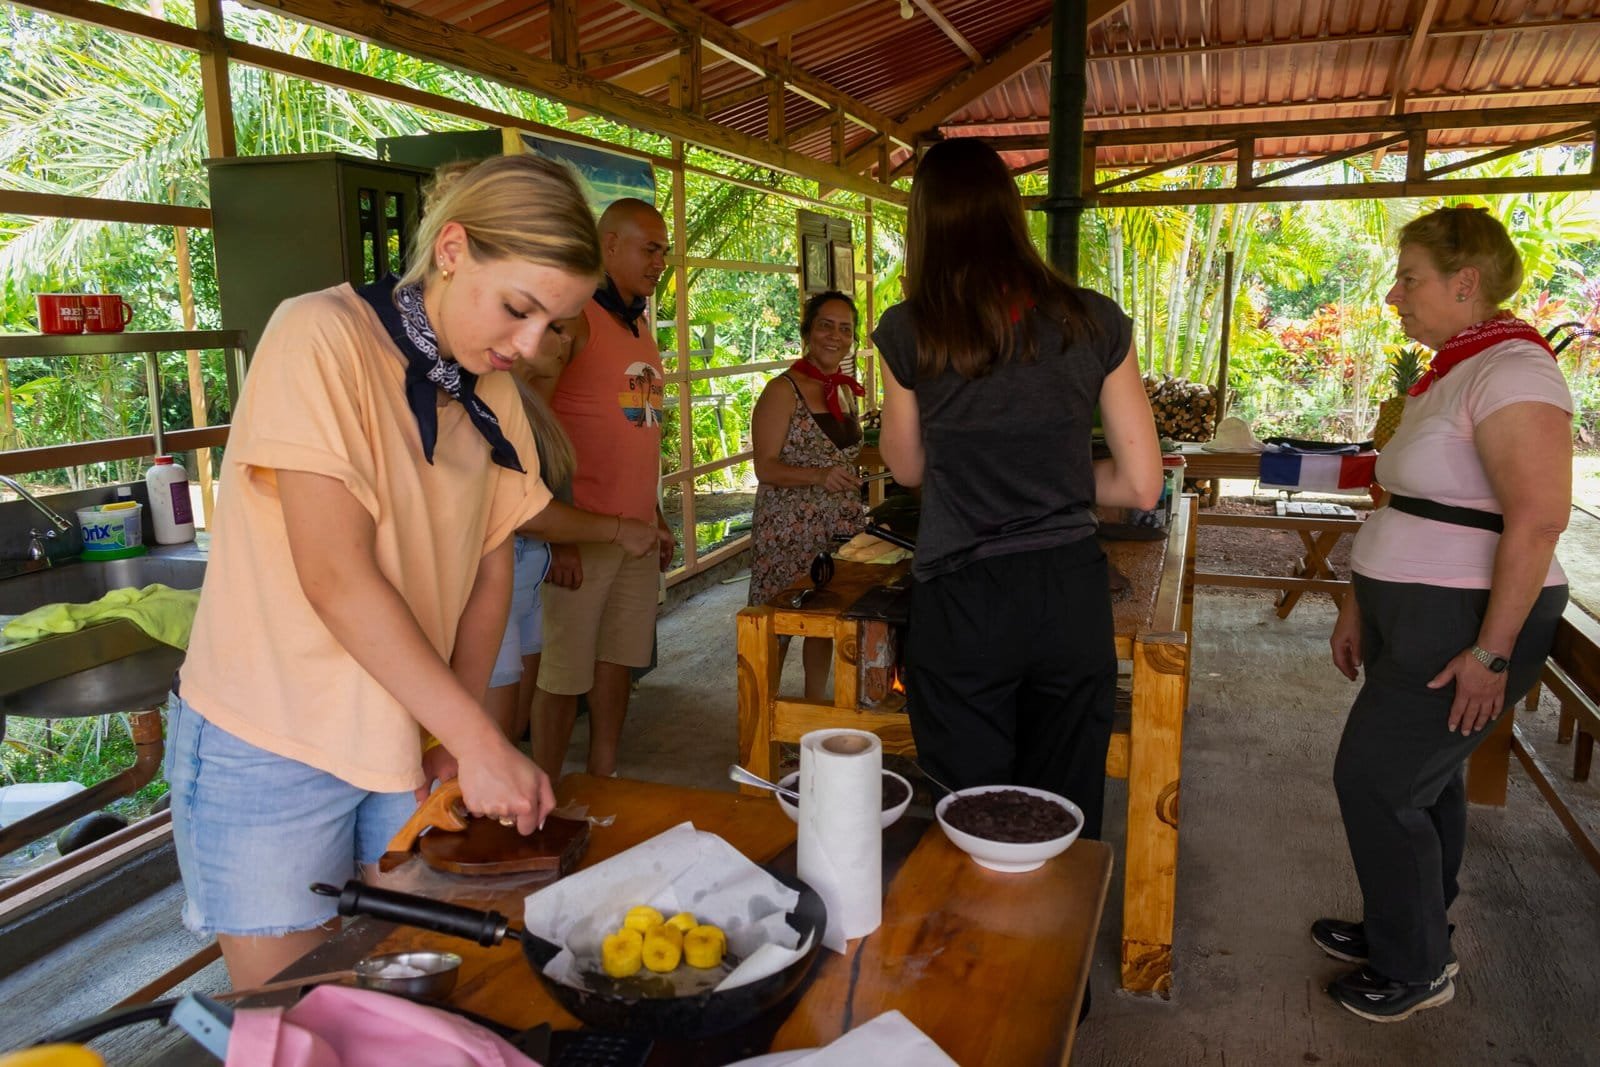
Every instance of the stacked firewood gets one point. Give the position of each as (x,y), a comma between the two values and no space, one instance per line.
(1184,410)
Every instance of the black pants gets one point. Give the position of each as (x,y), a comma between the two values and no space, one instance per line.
(1399,771)
(1012,673)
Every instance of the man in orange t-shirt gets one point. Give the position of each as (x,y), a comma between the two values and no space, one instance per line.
(600,604)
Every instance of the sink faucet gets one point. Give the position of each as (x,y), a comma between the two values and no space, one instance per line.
(61,525)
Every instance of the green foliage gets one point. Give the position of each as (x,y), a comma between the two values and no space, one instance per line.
(86,751)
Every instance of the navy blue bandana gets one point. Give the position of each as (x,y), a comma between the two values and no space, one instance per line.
(406,321)
(609,298)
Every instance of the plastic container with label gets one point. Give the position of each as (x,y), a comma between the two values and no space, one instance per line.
(171,514)
(112,531)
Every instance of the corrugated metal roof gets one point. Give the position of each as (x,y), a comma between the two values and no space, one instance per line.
(1152,63)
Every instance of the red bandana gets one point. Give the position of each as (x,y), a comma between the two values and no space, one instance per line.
(1474,339)
(831,384)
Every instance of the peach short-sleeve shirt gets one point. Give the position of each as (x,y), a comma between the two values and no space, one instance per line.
(325,394)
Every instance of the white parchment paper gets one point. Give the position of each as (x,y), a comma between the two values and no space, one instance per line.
(681,869)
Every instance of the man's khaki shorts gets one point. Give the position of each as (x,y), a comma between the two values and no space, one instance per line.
(610,618)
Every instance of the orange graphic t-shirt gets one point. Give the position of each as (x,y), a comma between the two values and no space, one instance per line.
(609,401)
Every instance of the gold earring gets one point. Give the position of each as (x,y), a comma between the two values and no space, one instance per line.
(1461,298)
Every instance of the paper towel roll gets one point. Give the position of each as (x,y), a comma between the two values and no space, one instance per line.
(840,851)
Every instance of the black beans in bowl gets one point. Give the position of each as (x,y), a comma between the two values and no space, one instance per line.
(1010,815)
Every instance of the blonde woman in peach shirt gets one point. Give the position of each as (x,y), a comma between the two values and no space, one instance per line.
(361,565)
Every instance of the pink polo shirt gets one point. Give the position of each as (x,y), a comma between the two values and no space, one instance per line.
(1433,456)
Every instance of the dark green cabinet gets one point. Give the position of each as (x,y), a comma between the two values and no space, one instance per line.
(286,225)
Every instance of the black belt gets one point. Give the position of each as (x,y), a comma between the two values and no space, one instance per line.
(1456,516)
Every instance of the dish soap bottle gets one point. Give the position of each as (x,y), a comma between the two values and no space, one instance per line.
(171,515)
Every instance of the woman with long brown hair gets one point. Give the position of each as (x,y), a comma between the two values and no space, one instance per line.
(996,365)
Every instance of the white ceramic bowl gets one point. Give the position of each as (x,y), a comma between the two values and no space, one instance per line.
(1008,856)
(886,819)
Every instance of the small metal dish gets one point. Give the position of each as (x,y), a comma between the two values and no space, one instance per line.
(424,975)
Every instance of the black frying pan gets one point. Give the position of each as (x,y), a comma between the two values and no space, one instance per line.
(700,1015)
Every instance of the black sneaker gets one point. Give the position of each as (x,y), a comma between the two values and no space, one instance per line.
(1345,940)
(1382,1000)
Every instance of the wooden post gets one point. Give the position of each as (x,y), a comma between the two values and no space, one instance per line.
(868,318)
(197,385)
(759,668)
(1155,746)
(1489,766)
(215,92)
(680,255)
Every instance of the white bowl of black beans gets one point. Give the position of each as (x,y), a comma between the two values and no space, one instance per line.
(1009,828)
(896,797)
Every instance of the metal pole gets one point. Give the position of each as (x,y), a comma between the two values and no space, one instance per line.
(1069,89)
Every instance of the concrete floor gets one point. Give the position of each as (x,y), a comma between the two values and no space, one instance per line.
(1262,855)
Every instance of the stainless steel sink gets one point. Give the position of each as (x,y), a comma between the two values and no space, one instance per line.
(107,667)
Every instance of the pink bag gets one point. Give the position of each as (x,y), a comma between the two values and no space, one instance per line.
(338,1026)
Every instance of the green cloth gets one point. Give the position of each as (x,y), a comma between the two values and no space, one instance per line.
(164,613)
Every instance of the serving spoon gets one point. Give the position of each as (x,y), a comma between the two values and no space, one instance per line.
(744,777)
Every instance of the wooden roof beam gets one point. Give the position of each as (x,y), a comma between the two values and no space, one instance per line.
(765,30)
(1378,124)
(1585,131)
(711,105)
(1410,56)
(1171,164)
(680,15)
(1331,157)
(407,31)
(667,46)
(1374,37)
(1023,51)
(1554,183)
(964,128)
(949,30)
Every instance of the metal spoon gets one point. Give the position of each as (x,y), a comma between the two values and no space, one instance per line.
(931,778)
(744,777)
(821,575)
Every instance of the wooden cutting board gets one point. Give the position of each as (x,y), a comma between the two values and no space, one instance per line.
(455,842)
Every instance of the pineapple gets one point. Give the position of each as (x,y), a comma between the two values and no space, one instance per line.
(1405,368)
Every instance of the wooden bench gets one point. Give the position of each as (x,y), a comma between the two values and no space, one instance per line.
(1153,626)
(1572,674)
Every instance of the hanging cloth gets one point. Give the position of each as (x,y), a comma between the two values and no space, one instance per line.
(1473,340)
(400,310)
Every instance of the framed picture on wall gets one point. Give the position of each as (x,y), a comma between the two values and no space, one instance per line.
(815,263)
(844,268)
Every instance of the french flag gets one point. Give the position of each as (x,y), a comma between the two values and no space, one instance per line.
(1298,470)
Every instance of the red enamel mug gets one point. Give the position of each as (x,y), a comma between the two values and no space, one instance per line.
(105,313)
(60,312)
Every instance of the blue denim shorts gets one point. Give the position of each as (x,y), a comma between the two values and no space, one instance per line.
(254,829)
(525,629)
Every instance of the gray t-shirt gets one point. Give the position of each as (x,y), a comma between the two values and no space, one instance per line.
(1008,455)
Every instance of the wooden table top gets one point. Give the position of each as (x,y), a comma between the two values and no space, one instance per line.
(991,966)
(1143,563)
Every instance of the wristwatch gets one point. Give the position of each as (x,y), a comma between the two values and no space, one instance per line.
(1497,664)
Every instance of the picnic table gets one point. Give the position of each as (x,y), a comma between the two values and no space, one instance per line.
(991,966)
(1153,623)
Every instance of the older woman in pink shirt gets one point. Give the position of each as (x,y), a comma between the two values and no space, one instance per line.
(1456,598)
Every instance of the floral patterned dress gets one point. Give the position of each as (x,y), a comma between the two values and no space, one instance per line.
(793,523)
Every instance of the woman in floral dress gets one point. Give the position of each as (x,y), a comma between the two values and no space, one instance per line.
(806,436)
